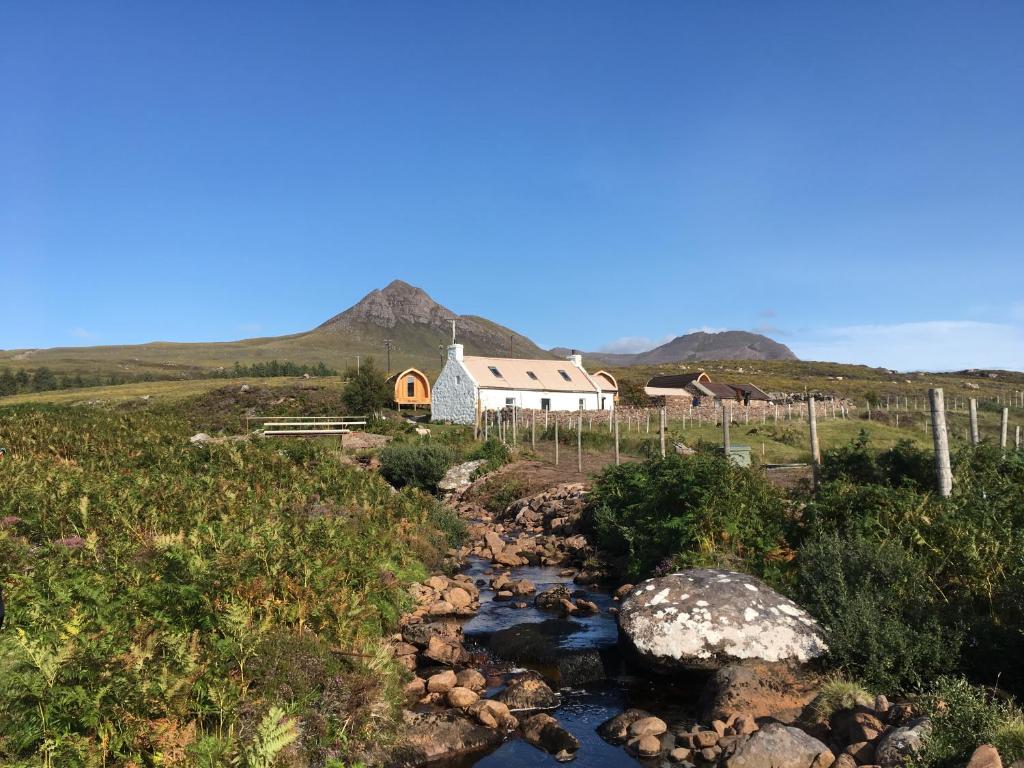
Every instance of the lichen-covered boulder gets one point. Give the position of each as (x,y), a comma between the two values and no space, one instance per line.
(705,618)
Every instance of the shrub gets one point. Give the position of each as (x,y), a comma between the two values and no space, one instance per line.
(419,465)
(366,390)
(902,464)
(502,490)
(699,510)
(882,618)
(965,716)
(494,453)
(836,694)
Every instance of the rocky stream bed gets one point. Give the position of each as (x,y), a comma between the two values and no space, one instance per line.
(526,657)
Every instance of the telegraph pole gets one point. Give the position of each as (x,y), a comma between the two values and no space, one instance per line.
(387,347)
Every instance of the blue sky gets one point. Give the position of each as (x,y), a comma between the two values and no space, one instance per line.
(846,177)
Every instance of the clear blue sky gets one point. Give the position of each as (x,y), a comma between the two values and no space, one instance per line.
(846,176)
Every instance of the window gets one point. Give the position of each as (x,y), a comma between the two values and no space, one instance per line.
(410,387)
(581,403)
(510,401)
(545,403)
(495,371)
(532,375)
(565,375)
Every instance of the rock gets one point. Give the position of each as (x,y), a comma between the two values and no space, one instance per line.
(460,475)
(493,714)
(648,746)
(460,697)
(441,608)
(416,687)
(647,726)
(458,597)
(844,761)
(420,634)
(586,606)
(523,587)
(494,543)
(864,726)
(200,438)
(616,729)
(758,689)
(427,737)
(470,678)
(705,618)
(445,651)
(622,591)
(544,732)
(780,746)
(442,682)
(985,756)
(504,594)
(437,583)
(680,754)
(900,745)
(863,752)
(511,559)
(528,692)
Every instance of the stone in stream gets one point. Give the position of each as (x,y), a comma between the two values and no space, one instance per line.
(705,618)
(528,692)
(552,598)
(472,679)
(536,642)
(428,737)
(544,732)
(616,729)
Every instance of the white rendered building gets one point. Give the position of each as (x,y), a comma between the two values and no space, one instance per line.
(471,385)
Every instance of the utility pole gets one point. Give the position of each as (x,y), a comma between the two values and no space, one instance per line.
(387,346)
(510,339)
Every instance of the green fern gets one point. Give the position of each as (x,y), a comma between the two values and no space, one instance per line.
(275,732)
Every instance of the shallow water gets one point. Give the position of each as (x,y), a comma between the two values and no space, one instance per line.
(584,707)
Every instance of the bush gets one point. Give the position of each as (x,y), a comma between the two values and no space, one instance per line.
(366,390)
(882,618)
(419,465)
(495,454)
(903,464)
(699,510)
(965,716)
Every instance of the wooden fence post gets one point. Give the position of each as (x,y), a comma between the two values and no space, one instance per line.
(812,421)
(533,431)
(615,416)
(943,472)
(726,418)
(487,427)
(579,442)
(975,437)
(514,421)
(1003,427)
(661,429)
(556,442)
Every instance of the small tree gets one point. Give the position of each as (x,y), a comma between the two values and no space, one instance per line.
(366,390)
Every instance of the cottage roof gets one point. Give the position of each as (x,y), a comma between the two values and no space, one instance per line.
(677,380)
(531,375)
(605,381)
(402,374)
(755,392)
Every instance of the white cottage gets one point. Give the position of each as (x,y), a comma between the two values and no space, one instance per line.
(470,385)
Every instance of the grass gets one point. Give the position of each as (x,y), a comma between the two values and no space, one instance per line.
(837,693)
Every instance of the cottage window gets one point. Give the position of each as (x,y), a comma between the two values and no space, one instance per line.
(510,401)
(495,371)
(545,403)
(565,375)
(410,387)
(532,375)
(581,403)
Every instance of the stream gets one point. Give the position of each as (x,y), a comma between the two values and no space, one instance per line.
(579,656)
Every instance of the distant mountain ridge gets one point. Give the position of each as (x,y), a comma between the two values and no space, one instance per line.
(399,316)
(724,345)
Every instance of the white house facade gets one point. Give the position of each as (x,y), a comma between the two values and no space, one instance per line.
(469,385)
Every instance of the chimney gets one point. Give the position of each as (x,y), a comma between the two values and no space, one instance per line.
(455,352)
(575,358)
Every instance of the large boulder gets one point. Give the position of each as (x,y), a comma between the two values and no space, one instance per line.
(527,693)
(705,618)
(759,689)
(780,746)
(544,732)
(460,475)
(901,745)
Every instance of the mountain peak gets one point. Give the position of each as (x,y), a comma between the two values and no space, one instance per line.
(397,302)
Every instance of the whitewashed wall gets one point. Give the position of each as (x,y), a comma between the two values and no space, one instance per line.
(453,397)
(494,399)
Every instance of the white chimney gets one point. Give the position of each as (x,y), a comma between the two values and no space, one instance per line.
(455,352)
(576,359)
